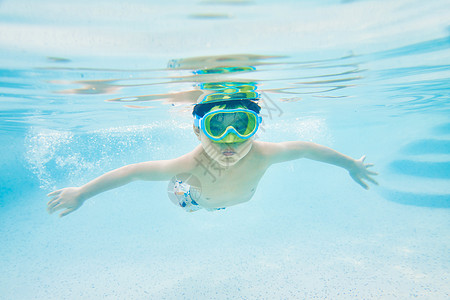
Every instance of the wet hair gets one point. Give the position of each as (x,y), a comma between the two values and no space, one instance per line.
(202,108)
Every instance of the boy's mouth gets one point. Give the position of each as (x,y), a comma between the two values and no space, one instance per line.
(228,152)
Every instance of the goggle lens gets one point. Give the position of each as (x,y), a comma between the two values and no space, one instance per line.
(240,121)
(218,124)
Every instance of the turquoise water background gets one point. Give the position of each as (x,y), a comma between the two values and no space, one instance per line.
(89,86)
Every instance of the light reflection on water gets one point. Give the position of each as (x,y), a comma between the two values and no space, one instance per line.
(284,78)
(402,87)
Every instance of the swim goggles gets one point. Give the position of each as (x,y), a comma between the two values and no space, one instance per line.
(218,124)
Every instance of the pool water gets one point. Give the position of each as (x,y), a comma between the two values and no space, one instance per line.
(86,87)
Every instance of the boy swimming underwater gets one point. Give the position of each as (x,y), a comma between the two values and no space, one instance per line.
(226,131)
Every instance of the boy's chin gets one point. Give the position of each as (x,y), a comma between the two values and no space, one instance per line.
(227,162)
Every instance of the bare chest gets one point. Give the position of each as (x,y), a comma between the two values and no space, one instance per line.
(223,187)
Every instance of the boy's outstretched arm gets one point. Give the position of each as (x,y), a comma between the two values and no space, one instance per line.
(358,170)
(71,198)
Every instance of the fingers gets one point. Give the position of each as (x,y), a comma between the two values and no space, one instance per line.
(54,199)
(360,182)
(54,207)
(66,212)
(52,203)
(369,178)
(372,180)
(54,193)
(57,204)
(363,173)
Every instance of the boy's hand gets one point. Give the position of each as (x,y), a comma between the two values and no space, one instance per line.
(68,198)
(359,172)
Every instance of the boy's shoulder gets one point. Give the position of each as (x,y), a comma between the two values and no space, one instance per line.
(272,152)
(266,148)
(265,151)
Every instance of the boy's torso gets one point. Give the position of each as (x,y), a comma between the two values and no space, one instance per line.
(226,186)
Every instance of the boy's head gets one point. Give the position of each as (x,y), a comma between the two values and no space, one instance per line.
(225,128)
